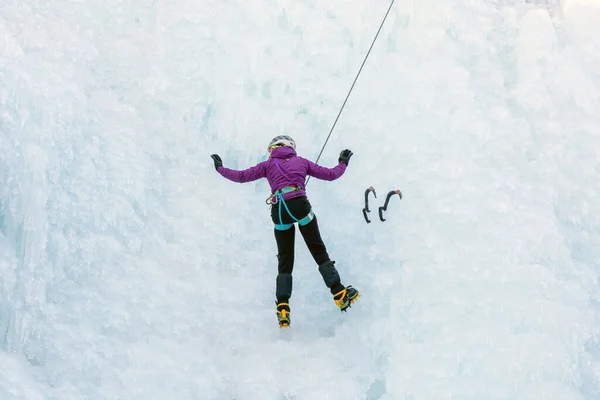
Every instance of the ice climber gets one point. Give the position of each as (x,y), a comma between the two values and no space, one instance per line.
(286,173)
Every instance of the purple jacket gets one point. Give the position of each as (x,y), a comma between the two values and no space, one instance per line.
(284,168)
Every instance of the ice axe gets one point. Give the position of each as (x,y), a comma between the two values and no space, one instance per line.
(387,200)
(366,209)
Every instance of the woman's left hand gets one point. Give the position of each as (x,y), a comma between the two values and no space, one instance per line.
(217,160)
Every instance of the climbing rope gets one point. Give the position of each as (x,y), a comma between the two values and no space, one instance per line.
(353,83)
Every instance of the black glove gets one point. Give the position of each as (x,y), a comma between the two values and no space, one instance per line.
(217,160)
(345,156)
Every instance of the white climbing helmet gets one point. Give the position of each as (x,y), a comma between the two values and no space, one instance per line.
(282,140)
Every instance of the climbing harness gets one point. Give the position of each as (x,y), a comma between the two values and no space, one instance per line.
(353,83)
(387,200)
(366,209)
(277,198)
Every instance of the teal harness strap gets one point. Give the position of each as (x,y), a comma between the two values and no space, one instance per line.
(281,226)
(284,227)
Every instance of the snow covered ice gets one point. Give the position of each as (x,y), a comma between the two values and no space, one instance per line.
(130,269)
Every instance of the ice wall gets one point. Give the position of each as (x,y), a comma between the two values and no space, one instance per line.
(130,269)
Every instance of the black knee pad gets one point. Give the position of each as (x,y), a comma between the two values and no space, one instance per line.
(283,289)
(329,273)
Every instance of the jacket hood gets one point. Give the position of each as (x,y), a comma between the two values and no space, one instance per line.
(283,152)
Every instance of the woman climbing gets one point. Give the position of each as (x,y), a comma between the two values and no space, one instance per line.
(286,173)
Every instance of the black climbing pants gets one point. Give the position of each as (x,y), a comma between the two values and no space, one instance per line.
(300,207)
